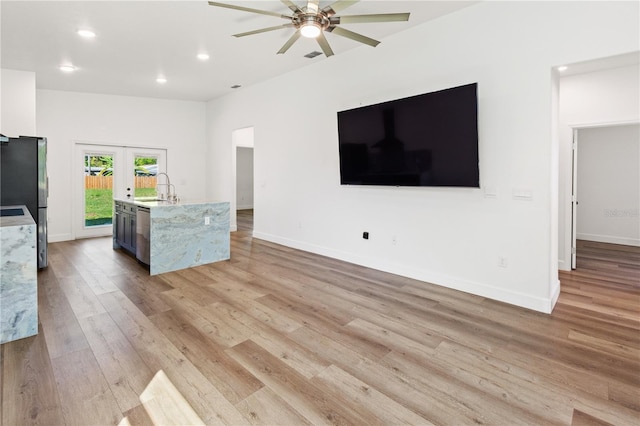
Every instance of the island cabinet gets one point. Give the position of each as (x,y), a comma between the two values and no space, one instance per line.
(19,272)
(173,235)
(125,226)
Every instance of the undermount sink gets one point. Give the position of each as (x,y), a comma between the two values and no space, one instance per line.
(11,212)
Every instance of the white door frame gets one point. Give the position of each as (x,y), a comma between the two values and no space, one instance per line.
(122,180)
(574,196)
(574,178)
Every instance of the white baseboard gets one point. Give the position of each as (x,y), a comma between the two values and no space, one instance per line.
(544,305)
(555,293)
(56,238)
(609,239)
(564,266)
(245,207)
(233,228)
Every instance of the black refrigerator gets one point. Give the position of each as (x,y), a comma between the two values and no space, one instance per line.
(23,181)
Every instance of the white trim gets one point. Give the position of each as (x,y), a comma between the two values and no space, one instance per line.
(580,126)
(59,237)
(567,219)
(539,304)
(612,239)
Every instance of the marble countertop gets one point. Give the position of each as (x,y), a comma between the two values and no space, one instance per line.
(26,219)
(147,202)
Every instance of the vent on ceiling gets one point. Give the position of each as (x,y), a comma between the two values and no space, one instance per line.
(312,54)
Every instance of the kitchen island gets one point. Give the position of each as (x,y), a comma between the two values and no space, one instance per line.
(19,271)
(170,236)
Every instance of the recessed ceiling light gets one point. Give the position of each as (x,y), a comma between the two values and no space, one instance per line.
(563,68)
(203,56)
(161,80)
(67,68)
(86,33)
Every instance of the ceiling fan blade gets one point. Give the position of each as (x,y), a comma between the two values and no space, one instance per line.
(248,9)
(353,36)
(291,5)
(290,42)
(360,19)
(312,6)
(264,30)
(324,45)
(338,6)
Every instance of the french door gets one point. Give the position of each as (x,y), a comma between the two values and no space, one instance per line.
(105,172)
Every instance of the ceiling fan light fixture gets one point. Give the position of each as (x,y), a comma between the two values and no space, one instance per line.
(310,30)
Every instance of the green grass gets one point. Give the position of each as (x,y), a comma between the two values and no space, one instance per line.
(145,192)
(99,205)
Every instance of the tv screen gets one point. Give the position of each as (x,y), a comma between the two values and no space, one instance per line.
(424,140)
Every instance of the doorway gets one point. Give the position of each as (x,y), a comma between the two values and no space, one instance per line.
(606,187)
(106,172)
(243,168)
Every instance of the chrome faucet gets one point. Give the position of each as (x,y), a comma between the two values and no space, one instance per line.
(170,196)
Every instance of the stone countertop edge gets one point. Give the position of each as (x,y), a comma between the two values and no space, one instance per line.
(7,221)
(151,204)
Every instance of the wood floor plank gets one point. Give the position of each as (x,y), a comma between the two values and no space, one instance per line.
(340,384)
(59,323)
(265,407)
(229,377)
(85,396)
(275,335)
(25,365)
(123,369)
(317,407)
(159,353)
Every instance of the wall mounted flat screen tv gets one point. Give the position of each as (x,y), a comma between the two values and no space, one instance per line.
(424,140)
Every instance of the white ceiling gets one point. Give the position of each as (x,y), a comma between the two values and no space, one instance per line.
(138,40)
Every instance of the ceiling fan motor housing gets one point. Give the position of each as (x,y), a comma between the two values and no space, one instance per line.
(316,19)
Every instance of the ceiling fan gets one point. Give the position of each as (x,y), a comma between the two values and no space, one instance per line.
(311,21)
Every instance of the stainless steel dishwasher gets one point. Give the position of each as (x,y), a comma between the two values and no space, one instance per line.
(143,231)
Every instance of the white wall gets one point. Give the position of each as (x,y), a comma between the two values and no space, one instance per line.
(18,103)
(66,118)
(453,237)
(609,184)
(244,178)
(604,97)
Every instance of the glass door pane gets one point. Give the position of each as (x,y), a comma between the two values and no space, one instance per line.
(96,184)
(143,166)
(98,189)
(145,169)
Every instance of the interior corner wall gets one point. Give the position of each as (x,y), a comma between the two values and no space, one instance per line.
(609,96)
(18,103)
(67,118)
(449,236)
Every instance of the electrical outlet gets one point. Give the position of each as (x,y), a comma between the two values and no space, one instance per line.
(502,261)
(207,220)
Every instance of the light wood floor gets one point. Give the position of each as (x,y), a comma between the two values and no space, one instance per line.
(277,336)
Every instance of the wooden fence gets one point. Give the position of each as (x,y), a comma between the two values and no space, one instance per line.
(106,182)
